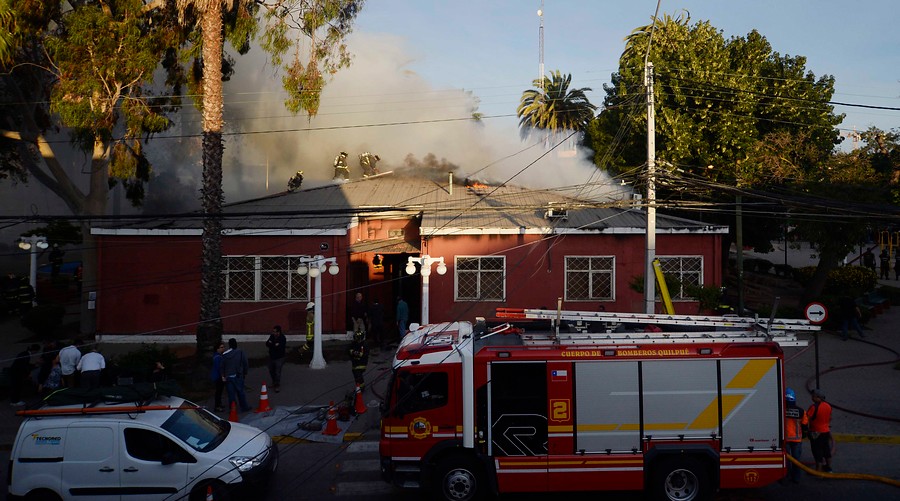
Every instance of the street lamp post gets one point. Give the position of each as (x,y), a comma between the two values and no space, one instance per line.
(425,263)
(315,266)
(33,244)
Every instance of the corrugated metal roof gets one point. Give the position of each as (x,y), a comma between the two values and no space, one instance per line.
(486,209)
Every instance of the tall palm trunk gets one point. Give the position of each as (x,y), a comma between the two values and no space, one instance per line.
(209,330)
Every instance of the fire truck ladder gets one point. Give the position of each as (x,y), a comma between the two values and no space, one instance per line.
(629,328)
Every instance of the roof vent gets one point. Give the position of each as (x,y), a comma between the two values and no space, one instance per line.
(556,213)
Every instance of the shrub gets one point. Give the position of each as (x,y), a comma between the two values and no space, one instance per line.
(139,363)
(847,280)
(709,296)
(44,319)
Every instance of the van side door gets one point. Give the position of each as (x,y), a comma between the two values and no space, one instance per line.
(91,466)
(154,467)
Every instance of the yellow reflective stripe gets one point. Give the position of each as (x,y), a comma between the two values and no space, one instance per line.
(709,418)
(559,428)
(749,376)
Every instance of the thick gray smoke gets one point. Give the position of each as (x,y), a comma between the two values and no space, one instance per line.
(377,105)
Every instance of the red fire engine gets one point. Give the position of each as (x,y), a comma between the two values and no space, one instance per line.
(678,405)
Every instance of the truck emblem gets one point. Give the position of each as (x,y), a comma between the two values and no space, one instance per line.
(419,428)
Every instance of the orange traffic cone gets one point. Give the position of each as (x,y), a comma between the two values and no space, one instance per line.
(233,417)
(331,427)
(359,407)
(263,400)
(209,493)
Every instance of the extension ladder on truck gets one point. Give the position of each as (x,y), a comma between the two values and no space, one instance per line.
(620,328)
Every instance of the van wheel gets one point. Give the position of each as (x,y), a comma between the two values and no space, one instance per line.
(219,491)
(681,479)
(42,495)
(457,478)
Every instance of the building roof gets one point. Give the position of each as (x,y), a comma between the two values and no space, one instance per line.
(333,208)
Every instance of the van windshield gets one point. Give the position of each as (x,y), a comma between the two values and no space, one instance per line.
(198,428)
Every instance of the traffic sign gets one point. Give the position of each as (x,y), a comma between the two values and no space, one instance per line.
(816,313)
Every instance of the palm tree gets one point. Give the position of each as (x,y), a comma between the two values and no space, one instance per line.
(209,18)
(552,107)
(303,83)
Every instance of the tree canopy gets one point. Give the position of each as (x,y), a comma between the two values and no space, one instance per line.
(552,106)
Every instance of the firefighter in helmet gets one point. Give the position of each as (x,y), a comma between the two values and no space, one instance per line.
(310,327)
(359,357)
(341,170)
(367,161)
(796,426)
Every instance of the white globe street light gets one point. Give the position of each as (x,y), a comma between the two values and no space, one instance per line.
(33,244)
(314,266)
(425,263)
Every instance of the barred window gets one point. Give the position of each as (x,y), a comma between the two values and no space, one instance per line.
(264,278)
(480,278)
(688,270)
(590,278)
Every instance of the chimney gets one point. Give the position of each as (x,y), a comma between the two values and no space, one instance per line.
(451,182)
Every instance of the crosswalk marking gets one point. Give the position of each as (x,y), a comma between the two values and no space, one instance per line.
(362,488)
(364,446)
(364,465)
(361,465)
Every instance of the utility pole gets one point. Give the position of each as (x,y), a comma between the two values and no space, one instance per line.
(540,14)
(649,277)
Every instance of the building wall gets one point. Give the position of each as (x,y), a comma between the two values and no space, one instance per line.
(151,284)
(535,270)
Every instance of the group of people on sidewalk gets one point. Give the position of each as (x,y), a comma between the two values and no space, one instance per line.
(52,368)
(814,423)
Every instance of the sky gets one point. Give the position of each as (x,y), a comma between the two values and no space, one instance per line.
(421,68)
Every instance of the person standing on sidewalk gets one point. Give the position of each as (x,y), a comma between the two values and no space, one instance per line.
(850,315)
(819,415)
(359,313)
(68,360)
(402,316)
(310,327)
(90,366)
(234,369)
(19,374)
(359,357)
(277,345)
(885,261)
(216,375)
(796,426)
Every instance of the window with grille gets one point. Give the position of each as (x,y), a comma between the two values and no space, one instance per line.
(688,270)
(264,278)
(480,278)
(590,278)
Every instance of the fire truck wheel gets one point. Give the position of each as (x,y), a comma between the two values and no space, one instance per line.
(457,478)
(681,479)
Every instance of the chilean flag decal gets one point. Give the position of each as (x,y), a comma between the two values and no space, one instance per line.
(559,376)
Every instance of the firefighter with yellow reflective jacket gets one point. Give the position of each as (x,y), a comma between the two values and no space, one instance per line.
(310,327)
(359,357)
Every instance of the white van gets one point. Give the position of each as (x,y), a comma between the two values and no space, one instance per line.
(168,448)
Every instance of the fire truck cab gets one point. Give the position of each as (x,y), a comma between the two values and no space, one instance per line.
(471,411)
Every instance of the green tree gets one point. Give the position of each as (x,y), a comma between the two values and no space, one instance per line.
(553,107)
(88,73)
(323,25)
(715,99)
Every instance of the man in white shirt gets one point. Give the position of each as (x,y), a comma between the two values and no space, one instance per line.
(68,361)
(90,366)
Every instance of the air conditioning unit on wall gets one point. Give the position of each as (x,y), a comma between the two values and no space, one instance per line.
(556,213)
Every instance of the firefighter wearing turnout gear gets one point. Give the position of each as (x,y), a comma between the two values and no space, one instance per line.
(796,426)
(359,357)
(341,170)
(310,327)
(367,161)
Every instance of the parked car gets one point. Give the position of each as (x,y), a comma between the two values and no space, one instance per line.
(167,448)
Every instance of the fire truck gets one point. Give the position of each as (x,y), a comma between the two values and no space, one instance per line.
(676,405)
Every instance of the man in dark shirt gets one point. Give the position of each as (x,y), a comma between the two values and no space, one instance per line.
(358,313)
(277,347)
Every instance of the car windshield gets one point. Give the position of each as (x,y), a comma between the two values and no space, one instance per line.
(197,427)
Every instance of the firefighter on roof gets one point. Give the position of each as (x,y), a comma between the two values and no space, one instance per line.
(367,161)
(359,357)
(295,181)
(341,171)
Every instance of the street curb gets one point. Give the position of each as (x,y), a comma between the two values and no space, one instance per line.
(286,439)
